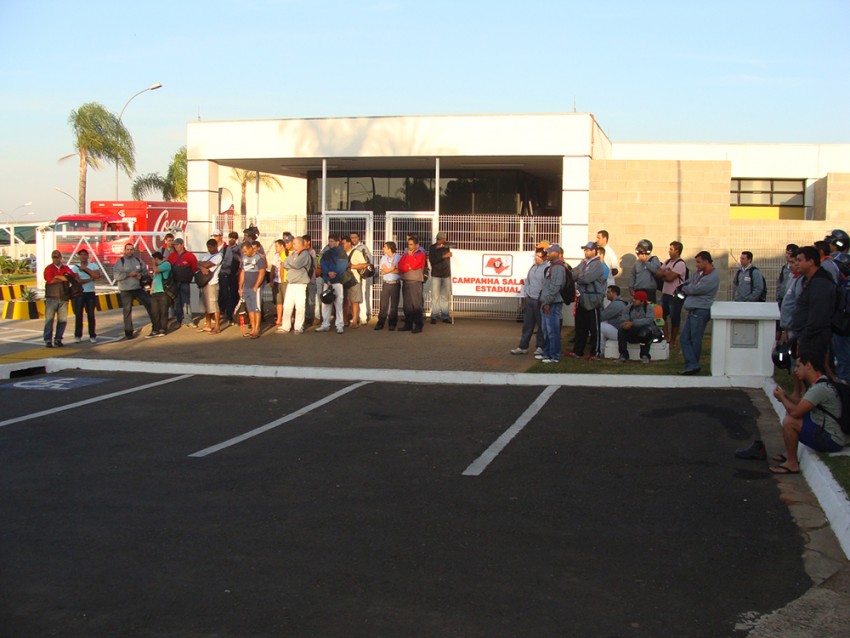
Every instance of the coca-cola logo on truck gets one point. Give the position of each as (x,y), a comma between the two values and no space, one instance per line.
(166,223)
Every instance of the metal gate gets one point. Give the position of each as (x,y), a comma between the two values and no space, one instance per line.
(400,225)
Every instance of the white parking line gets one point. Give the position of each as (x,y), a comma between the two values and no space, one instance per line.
(481,463)
(78,404)
(280,421)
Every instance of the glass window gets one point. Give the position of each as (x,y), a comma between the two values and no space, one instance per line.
(755,199)
(768,192)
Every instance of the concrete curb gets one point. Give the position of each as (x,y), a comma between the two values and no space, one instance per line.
(832,498)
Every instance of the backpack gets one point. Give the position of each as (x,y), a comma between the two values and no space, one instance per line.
(841,315)
(659,283)
(568,290)
(843,392)
(170,285)
(763,295)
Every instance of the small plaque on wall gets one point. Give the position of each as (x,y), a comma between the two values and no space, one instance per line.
(745,334)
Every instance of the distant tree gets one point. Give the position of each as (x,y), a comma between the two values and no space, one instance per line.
(249,177)
(100,136)
(172,187)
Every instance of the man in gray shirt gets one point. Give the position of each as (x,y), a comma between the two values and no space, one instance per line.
(701,289)
(749,284)
(128,272)
(552,304)
(531,297)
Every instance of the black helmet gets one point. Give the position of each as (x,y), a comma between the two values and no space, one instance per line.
(644,246)
(839,238)
(781,356)
(328,295)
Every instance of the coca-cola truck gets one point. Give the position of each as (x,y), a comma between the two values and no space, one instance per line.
(110,225)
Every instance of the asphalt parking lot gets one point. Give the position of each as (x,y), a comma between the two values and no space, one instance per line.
(222,506)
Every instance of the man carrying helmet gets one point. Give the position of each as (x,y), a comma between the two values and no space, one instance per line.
(643,272)
(839,244)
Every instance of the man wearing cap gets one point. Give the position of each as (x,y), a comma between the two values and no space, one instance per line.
(591,286)
(183,265)
(639,327)
(552,304)
(441,278)
(56,275)
(219,238)
(531,318)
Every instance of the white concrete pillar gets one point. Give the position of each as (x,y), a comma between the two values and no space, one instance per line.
(575,206)
(202,203)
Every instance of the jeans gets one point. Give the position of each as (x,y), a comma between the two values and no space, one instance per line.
(691,337)
(672,307)
(228,294)
(58,309)
(84,302)
(412,293)
(127,297)
(182,302)
(337,306)
(441,292)
(531,319)
(625,337)
(159,312)
(552,331)
(390,293)
(310,308)
(841,353)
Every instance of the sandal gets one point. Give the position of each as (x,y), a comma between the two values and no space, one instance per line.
(253,336)
(215,332)
(779,458)
(782,469)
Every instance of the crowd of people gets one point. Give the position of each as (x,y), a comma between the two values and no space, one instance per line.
(331,287)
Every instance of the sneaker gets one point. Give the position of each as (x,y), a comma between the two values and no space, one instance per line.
(93,340)
(550,361)
(540,356)
(447,320)
(48,344)
(433,320)
(150,336)
(340,331)
(538,351)
(590,357)
(755,451)
(78,339)
(519,351)
(161,333)
(644,359)
(323,328)
(621,359)
(281,330)
(573,355)
(58,344)
(298,332)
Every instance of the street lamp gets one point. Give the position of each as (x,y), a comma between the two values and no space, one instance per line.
(152,87)
(73,199)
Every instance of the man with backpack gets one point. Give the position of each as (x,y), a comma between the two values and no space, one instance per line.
(839,243)
(812,318)
(552,303)
(128,273)
(672,274)
(816,418)
(749,284)
(531,318)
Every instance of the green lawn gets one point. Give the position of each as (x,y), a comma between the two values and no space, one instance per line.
(674,365)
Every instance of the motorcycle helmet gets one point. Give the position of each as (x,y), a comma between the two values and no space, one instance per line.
(781,356)
(328,295)
(839,238)
(644,247)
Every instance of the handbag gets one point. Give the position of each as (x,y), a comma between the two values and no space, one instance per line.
(241,309)
(182,274)
(202,278)
(347,279)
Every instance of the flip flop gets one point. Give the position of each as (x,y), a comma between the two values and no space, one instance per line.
(215,332)
(254,337)
(781,469)
(779,458)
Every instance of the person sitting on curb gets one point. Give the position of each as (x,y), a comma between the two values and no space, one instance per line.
(638,327)
(612,316)
(811,418)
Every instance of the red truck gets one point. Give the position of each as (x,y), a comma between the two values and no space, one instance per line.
(110,225)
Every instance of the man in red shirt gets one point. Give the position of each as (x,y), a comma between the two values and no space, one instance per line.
(56,276)
(411,267)
(183,264)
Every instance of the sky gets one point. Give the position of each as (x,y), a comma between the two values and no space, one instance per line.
(745,71)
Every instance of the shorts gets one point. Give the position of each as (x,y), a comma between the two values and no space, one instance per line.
(354,294)
(210,295)
(815,437)
(672,307)
(253,299)
(279,293)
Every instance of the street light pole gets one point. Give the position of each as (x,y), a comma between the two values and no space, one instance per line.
(73,199)
(152,87)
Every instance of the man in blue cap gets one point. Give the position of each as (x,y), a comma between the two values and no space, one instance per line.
(552,305)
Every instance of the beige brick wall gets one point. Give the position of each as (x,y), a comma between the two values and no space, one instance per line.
(838,198)
(662,201)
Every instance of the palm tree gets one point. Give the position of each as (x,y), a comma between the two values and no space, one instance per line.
(172,186)
(249,177)
(100,136)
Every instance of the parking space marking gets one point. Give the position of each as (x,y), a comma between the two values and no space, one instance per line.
(286,419)
(481,463)
(112,395)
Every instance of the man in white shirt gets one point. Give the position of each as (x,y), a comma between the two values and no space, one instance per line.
(611,259)
(210,291)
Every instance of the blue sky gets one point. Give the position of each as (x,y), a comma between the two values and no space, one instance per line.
(747,71)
